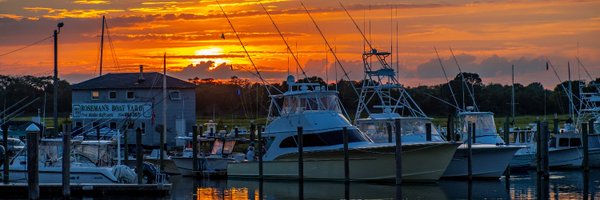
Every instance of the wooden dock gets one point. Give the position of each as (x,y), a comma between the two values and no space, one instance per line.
(20,190)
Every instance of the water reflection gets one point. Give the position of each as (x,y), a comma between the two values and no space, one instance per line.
(561,185)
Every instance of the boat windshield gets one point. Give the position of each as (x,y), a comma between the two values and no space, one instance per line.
(314,101)
(377,129)
(484,123)
(324,139)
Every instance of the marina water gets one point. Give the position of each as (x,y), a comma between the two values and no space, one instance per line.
(569,184)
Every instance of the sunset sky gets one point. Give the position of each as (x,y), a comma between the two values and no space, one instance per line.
(486,37)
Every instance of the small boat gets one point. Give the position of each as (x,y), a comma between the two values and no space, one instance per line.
(209,164)
(564,149)
(490,156)
(83,169)
(318,111)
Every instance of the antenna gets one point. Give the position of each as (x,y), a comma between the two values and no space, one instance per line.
(471,93)
(284,41)
(447,80)
(248,54)
(102,43)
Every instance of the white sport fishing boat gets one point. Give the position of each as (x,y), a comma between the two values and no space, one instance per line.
(83,169)
(318,111)
(564,149)
(490,155)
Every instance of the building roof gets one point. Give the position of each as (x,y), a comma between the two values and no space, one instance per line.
(132,81)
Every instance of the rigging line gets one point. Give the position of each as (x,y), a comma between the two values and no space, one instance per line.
(358,28)
(584,68)
(284,41)
(446,75)
(561,82)
(112,47)
(463,80)
(245,50)
(330,49)
(26,46)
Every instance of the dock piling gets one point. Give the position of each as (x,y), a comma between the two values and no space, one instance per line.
(252,129)
(300,154)
(507,142)
(66,161)
(139,158)
(33,172)
(450,129)
(470,135)
(260,154)
(398,130)
(428,132)
(195,148)
(538,147)
(126,146)
(346,156)
(236,132)
(5,144)
(544,153)
(586,145)
(389,131)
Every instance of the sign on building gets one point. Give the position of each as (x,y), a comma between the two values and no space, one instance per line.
(112,111)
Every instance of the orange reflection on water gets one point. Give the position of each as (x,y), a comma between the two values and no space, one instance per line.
(213,193)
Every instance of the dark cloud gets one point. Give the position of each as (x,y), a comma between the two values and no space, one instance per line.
(488,67)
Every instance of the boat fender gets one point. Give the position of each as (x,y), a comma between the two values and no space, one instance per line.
(124,174)
(150,171)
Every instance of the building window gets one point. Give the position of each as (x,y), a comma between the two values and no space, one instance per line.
(112,94)
(143,127)
(175,95)
(130,95)
(113,125)
(95,95)
(129,125)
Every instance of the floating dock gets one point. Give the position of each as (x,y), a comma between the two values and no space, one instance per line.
(20,190)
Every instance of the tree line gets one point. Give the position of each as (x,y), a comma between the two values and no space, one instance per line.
(241,98)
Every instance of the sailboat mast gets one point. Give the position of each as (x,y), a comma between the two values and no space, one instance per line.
(164,113)
(570,92)
(512,101)
(102,43)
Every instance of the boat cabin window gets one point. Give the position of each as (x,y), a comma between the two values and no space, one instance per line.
(317,101)
(569,142)
(484,123)
(112,94)
(324,139)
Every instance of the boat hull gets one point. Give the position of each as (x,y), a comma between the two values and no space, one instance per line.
(424,162)
(558,158)
(54,175)
(488,161)
(206,165)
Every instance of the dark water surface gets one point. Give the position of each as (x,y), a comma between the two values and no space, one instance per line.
(562,185)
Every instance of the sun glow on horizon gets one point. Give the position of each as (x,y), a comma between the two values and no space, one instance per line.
(208,52)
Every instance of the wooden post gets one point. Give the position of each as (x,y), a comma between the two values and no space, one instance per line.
(139,157)
(33,173)
(161,159)
(545,163)
(5,144)
(586,146)
(449,129)
(346,156)
(398,125)
(428,132)
(126,146)
(555,122)
(260,154)
(252,129)
(236,132)
(507,142)
(470,134)
(300,152)
(389,132)
(66,161)
(538,152)
(195,148)
(506,132)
